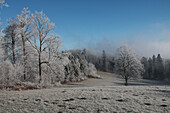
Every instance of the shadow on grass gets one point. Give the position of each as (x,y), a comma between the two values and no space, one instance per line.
(72,84)
(143,82)
(163,91)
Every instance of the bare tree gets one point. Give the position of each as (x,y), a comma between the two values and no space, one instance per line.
(127,64)
(42,27)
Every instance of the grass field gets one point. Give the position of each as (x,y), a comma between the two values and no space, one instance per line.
(93,95)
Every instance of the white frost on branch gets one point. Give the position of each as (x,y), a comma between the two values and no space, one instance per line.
(127,64)
(2,2)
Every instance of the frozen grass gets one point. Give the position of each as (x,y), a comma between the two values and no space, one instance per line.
(102,97)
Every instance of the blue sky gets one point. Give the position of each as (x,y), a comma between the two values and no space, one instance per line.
(90,23)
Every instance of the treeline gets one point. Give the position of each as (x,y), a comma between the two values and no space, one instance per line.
(156,68)
(102,61)
(29,52)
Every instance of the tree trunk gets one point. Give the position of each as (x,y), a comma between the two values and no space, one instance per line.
(40,65)
(49,55)
(6,50)
(125,75)
(40,68)
(24,53)
(13,50)
(126,81)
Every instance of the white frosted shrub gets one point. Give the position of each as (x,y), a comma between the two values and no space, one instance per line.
(91,71)
(18,72)
(7,73)
(54,72)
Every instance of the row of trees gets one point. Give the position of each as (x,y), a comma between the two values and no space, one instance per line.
(102,61)
(125,62)
(156,68)
(27,37)
(30,52)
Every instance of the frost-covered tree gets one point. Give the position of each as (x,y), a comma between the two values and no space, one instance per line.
(24,32)
(53,59)
(7,73)
(52,44)
(80,67)
(10,39)
(42,27)
(127,64)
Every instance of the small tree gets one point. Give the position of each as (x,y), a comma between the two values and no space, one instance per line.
(127,64)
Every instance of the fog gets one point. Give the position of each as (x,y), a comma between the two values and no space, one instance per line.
(155,40)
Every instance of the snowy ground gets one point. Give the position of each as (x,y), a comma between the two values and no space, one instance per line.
(94,95)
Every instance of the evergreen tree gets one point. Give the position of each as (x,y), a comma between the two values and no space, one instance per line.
(159,68)
(145,64)
(111,65)
(153,67)
(167,69)
(104,61)
(150,68)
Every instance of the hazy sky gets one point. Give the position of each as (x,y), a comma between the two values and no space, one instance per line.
(144,25)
